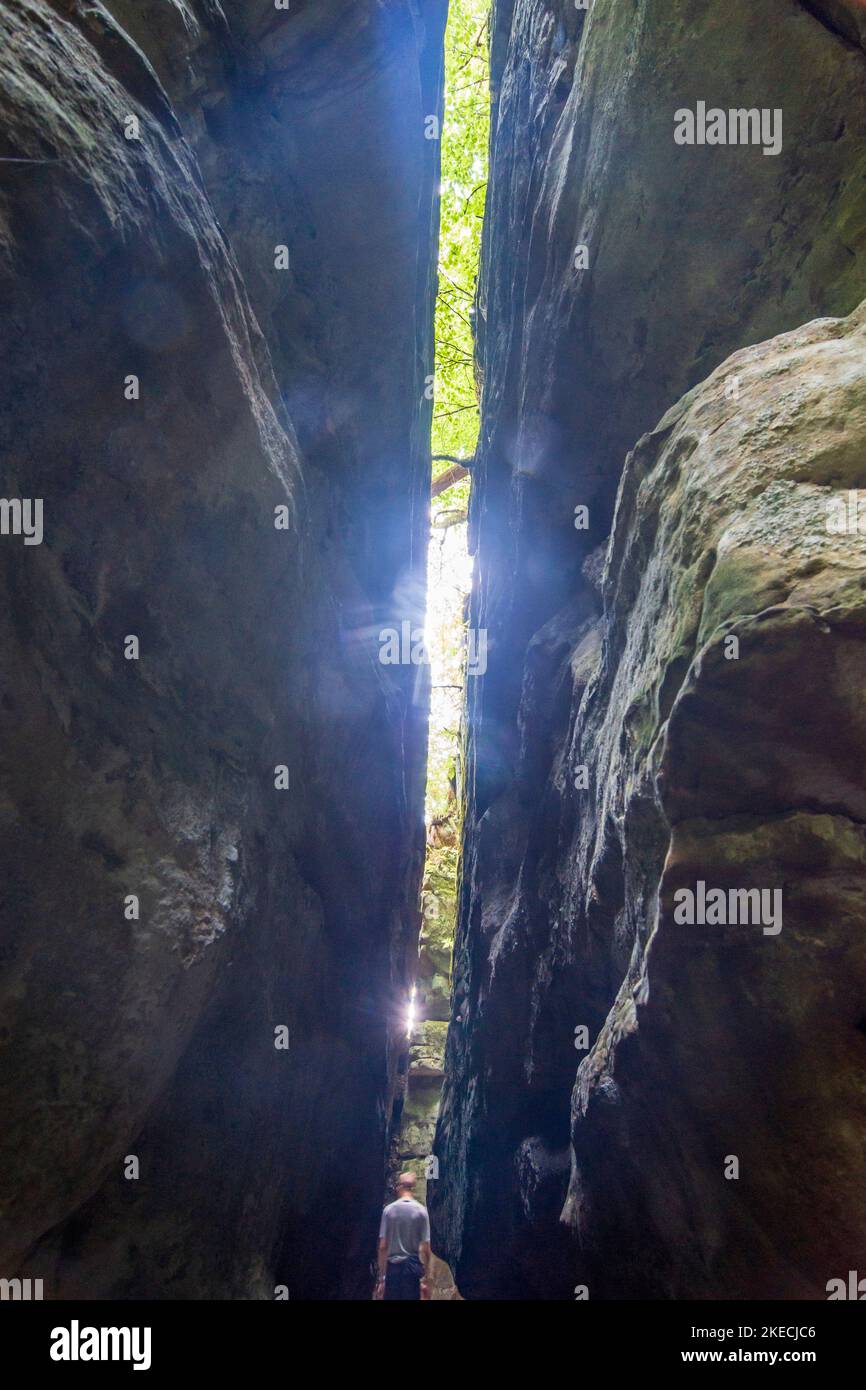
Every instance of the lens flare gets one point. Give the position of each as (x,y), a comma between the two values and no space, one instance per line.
(410,1014)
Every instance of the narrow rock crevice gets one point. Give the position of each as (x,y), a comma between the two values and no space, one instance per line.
(621,271)
(620,873)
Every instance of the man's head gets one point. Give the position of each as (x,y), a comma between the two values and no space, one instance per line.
(406,1185)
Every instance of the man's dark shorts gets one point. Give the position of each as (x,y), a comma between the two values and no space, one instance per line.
(403,1279)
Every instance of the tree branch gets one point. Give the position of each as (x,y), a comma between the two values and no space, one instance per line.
(447,479)
(472,194)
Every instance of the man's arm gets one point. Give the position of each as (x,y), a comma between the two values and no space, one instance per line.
(425,1255)
(382,1259)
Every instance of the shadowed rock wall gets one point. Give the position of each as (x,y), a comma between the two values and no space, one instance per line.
(258,388)
(723,732)
(620,270)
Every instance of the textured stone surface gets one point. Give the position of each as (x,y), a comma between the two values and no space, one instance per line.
(693,254)
(419,1124)
(427,1048)
(259,907)
(436,942)
(743,772)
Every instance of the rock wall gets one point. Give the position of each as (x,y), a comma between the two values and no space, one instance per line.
(424,1061)
(615,755)
(723,732)
(235,207)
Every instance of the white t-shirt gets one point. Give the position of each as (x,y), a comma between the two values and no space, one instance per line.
(405,1225)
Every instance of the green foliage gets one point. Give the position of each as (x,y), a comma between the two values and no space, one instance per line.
(455,426)
(464,184)
(455,431)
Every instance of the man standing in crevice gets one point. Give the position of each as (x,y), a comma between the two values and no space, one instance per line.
(404,1246)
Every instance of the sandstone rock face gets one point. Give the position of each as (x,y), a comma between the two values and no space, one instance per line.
(615,755)
(421,1103)
(724,736)
(260,908)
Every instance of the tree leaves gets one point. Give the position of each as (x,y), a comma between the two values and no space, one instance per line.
(464,176)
